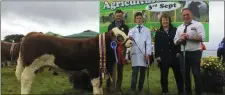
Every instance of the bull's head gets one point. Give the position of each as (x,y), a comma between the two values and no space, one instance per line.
(121,35)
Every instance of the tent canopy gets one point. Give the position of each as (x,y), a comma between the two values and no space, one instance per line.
(85,34)
(53,34)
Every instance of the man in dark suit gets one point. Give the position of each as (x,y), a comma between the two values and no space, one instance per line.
(118,22)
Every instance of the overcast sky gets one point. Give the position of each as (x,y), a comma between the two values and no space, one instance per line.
(62,17)
(69,17)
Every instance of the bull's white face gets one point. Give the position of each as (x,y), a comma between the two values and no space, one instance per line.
(118,32)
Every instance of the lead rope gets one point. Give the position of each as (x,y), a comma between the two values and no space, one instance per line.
(146,63)
(138,47)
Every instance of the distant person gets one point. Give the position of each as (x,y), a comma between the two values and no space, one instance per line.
(118,22)
(190,34)
(167,53)
(221,51)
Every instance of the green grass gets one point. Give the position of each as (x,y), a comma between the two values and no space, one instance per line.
(46,83)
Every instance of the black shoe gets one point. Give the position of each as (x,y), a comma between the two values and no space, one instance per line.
(198,94)
(188,93)
(141,93)
(132,92)
(119,92)
(180,93)
(165,93)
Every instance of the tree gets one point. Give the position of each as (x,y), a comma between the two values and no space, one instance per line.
(14,38)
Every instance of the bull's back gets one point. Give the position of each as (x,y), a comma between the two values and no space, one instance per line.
(82,54)
(36,45)
(67,52)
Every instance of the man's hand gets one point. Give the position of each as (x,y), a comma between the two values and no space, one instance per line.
(184,36)
(196,38)
(131,38)
(147,57)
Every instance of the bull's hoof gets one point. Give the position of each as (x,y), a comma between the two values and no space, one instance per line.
(85,91)
(115,92)
(119,92)
(55,73)
(111,90)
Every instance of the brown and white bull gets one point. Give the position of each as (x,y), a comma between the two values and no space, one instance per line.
(38,50)
(9,52)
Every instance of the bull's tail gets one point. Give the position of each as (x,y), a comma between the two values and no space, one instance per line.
(19,67)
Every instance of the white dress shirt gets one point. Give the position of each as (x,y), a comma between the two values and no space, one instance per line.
(195,29)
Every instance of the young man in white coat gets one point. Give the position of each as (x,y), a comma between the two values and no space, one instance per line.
(140,52)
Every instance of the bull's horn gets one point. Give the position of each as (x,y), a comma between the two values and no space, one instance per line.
(117,31)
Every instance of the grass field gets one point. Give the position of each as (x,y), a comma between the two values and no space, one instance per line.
(46,83)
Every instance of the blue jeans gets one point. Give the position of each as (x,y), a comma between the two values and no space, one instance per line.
(135,71)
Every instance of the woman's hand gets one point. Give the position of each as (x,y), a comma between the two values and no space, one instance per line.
(158,59)
(177,55)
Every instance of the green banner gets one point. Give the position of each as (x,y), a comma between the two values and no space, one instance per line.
(151,11)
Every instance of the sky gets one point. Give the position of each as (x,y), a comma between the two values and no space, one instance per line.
(62,17)
(69,17)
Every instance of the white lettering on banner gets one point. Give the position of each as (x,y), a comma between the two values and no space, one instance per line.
(117,4)
(163,6)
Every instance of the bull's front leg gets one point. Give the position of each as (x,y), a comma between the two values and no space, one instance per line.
(96,86)
(26,80)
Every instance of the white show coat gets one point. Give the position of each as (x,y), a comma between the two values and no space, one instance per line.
(137,56)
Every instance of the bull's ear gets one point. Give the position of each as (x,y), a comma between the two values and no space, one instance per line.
(112,35)
(118,32)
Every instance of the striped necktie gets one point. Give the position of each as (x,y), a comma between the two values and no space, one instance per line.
(185,31)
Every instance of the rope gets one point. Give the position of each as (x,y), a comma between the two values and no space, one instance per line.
(138,47)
